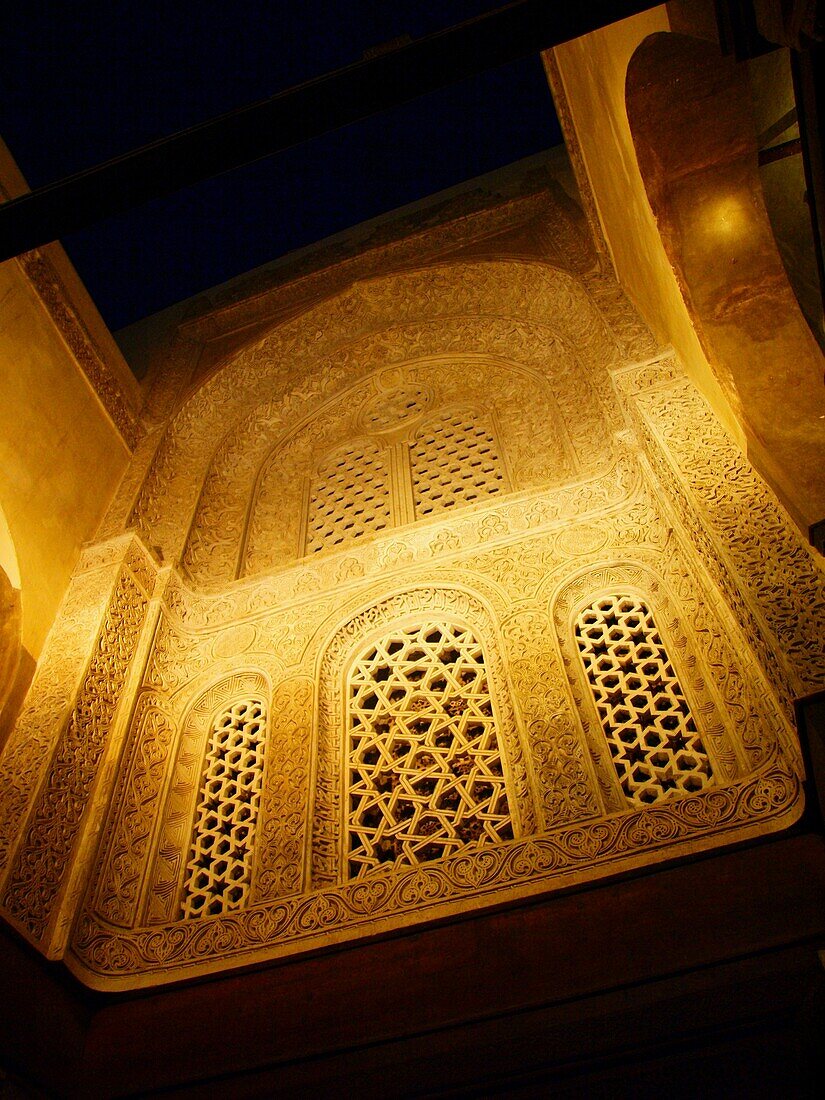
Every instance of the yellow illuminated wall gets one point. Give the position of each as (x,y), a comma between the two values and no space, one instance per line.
(61,455)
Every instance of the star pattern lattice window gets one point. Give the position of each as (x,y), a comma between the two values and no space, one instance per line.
(652,737)
(218,871)
(425,768)
(454,461)
(349,499)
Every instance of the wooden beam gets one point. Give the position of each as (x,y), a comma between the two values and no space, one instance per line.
(298,114)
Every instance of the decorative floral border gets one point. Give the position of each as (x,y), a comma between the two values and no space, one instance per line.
(765,802)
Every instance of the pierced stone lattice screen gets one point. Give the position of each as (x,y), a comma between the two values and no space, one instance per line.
(425,769)
(220,861)
(454,461)
(349,498)
(651,734)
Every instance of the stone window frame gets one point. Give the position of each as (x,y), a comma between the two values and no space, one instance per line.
(396,448)
(166,873)
(211,842)
(721,745)
(424,772)
(650,768)
(326,855)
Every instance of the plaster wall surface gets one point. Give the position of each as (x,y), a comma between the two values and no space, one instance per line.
(593,70)
(60,456)
(681,206)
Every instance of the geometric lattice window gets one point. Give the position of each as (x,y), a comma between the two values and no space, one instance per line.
(651,734)
(454,461)
(350,498)
(424,764)
(219,868)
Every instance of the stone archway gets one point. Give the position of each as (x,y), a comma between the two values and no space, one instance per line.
(493,305)
(691,120)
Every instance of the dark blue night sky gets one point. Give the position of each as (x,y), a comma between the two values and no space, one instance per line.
(83,83)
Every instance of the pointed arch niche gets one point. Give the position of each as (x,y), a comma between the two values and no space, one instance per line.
(534,320)
(655,722)
(207,834)
(400,445)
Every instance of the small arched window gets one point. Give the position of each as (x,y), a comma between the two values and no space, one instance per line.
(219,868)
(424,766)
(651,734)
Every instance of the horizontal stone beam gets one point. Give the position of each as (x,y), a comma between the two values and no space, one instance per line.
(296,115)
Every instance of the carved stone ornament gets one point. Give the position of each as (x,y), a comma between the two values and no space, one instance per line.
(452,309)
(467,598)
(82,344)
(434,664)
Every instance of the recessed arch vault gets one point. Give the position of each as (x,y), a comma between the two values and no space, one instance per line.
(702,182)
(490,308)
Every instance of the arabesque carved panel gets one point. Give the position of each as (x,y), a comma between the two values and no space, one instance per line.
(44,856)
(764,802)
(282,844)
(248,516)
(526,312)
(740,526)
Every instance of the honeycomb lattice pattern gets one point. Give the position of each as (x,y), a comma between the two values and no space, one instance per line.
(350,498)
(220,861)
(454,461)
(425,770)
(656,749)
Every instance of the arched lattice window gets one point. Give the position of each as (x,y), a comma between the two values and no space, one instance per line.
(349,498)
(650,731)
(219,868)
(455,460)
(424,763)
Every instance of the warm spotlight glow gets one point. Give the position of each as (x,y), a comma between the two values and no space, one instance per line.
(728,218)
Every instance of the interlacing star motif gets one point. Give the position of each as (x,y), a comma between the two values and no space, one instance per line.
(425,767)
(218,869)
(653,741)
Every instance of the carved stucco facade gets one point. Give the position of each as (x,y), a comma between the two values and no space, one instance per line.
(611,477)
